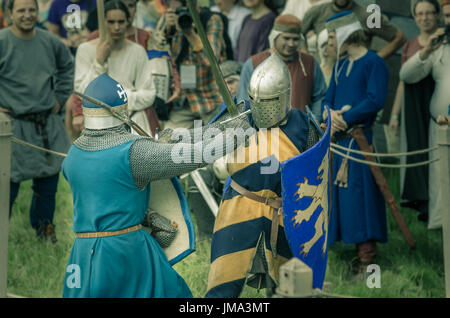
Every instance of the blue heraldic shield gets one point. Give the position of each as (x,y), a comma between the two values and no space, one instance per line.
(306,183)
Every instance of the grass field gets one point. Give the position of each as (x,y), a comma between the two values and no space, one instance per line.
(36,268)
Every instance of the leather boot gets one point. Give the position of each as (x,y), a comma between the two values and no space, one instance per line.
(47,231)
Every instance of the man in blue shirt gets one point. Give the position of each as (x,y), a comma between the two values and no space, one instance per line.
(67,20)
(357,91)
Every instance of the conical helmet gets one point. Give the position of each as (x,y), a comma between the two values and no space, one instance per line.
(270,92)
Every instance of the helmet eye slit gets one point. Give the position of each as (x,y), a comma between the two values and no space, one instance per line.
(269,99)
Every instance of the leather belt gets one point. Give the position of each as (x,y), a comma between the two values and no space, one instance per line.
(347,134)
(274,203)
(40,122)
(108,233)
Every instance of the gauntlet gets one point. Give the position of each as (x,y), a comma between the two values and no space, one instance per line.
(162,229)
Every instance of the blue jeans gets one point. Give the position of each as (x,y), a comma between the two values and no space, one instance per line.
(42,206)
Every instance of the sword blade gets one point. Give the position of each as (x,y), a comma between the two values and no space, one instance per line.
(94,101)
(204,191)
(233,118)
(114,113)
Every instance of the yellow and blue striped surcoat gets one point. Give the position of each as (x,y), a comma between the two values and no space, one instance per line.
(240,220)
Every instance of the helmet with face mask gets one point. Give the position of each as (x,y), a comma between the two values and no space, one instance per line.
(270,92)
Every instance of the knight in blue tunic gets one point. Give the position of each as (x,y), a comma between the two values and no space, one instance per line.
(109,170)
(357,91)
(249,244)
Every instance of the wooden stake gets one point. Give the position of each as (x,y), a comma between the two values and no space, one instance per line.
(101,20)
(5,175)
(444,165)
(363,144)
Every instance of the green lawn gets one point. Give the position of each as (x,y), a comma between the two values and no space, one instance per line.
(36,268)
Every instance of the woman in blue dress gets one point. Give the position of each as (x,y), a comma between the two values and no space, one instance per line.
(357,91)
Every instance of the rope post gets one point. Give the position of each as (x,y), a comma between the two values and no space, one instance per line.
(444,162)
(296,280)
(5,174)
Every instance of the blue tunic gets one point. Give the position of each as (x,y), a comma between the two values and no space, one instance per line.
(105,198)
(358,212)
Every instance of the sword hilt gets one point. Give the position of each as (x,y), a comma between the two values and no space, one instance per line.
(226,121)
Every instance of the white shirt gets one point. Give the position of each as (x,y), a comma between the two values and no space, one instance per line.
(235,19)
(299,7)
(438,64)
(129,66)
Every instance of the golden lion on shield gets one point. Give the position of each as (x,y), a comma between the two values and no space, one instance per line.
(319,194)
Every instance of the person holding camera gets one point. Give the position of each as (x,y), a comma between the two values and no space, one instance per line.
(200,97)
(411,123)
(434,59)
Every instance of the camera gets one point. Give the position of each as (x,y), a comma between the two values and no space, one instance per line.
(447,32)
(184,18)
(445,35)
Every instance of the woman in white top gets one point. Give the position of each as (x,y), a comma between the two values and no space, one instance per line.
(123,60)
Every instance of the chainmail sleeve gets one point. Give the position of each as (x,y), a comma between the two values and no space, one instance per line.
(151,160)
(171,136)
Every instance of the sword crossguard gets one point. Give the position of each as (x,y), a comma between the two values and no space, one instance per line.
(235,117)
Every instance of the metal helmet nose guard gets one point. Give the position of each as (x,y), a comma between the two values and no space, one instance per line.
(270,92)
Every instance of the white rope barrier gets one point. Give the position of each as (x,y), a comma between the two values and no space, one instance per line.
(333,146)
(384,165)
(24,143)
(371,154)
